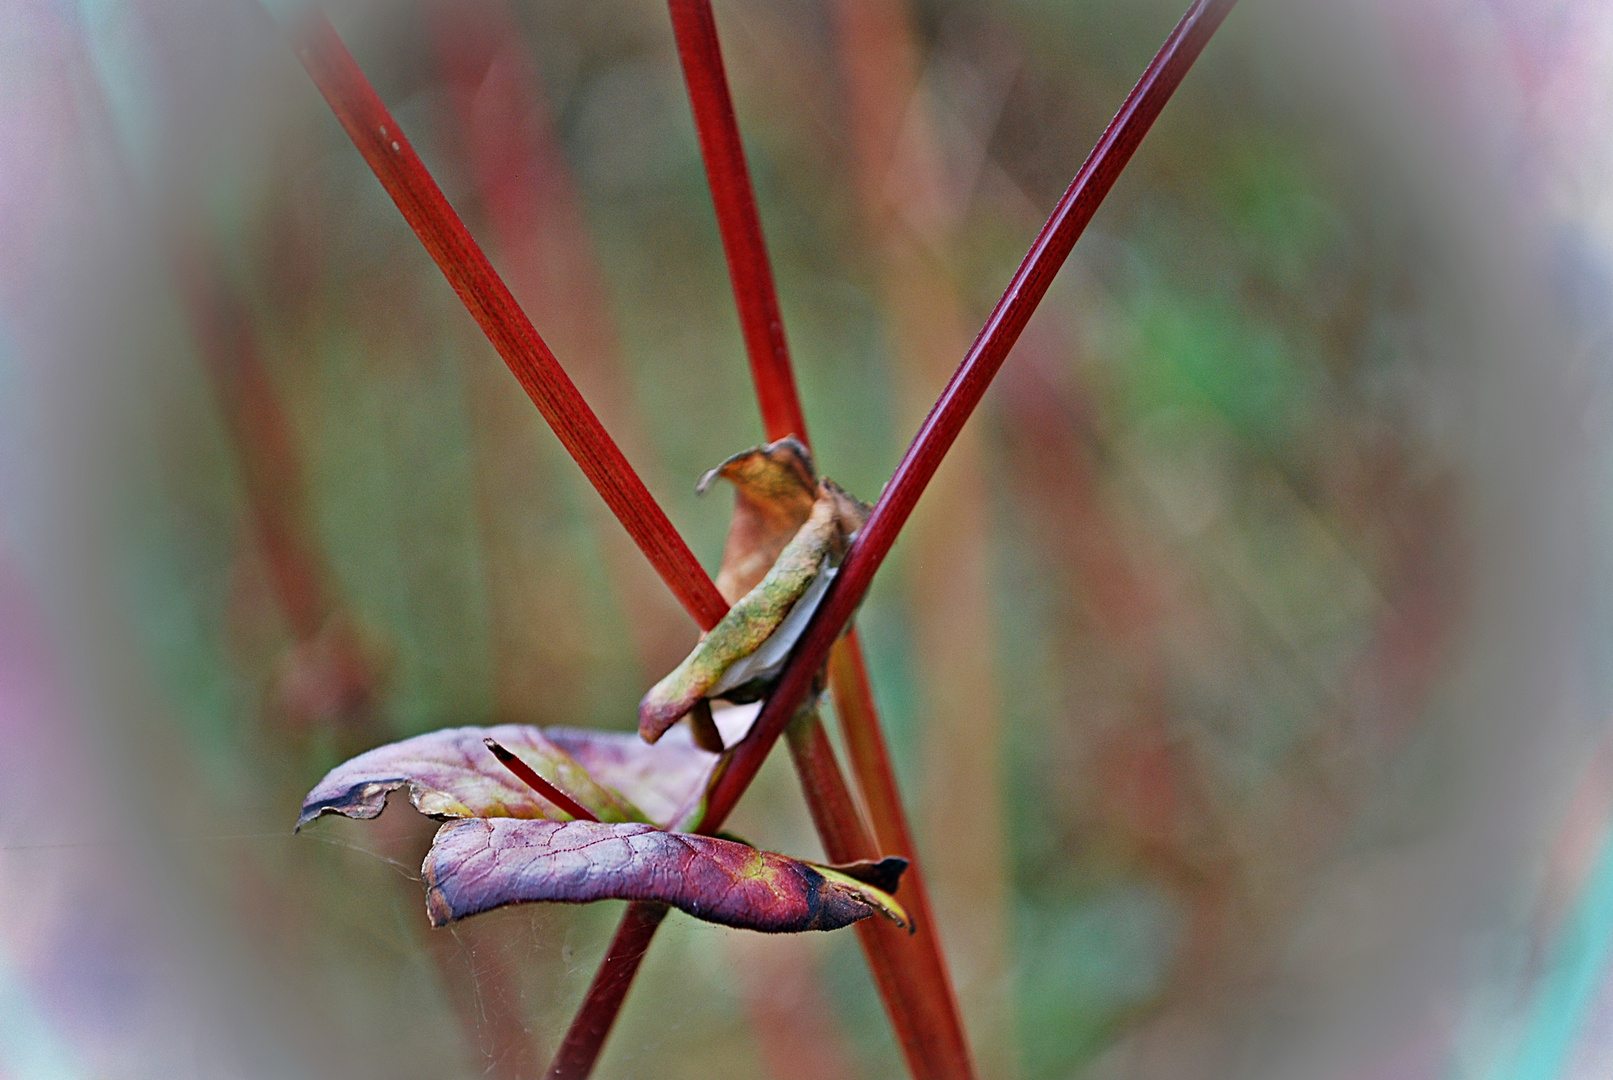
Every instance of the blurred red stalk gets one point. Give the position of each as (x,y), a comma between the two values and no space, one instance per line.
(270,467)
(964,391)
(377,136)
(504,128)
(749,270)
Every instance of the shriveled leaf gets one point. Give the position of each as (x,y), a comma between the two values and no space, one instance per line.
(451,773)
(482,864)
(748,624)
(788,533)
(745,678)
(774,488)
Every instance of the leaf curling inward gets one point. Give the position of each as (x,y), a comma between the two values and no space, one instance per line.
(789,531)
(451,773)
(775,486)
(478,865)
(748,624)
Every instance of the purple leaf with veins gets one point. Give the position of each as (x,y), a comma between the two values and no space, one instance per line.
(481,864)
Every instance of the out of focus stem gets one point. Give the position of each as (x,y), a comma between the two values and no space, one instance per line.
(581,1046)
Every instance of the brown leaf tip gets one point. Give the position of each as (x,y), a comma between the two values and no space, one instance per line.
(775,467)
(883,874)
(838,900)
(362,800)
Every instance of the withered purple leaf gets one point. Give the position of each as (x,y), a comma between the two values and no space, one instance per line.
(662,780)
(481,864)
(451,773)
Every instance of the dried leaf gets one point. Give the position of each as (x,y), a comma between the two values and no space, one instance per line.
(774,488)
(451,773)
(482,864)
(788,533)
(748,624)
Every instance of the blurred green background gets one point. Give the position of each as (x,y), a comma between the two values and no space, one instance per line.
(1186,660)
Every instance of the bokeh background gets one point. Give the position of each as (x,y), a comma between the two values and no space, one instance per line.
(1248,666)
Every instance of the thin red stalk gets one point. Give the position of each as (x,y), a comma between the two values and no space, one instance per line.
(871,764)
(531,778)
(728,176)
(839,825)
(378,138)
(911,971)
(829,800)
(749,270)
(748,266)
(865,745)
(585,1039)
(964,391)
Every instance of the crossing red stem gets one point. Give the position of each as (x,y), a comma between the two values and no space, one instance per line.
(966,387)
(378,138)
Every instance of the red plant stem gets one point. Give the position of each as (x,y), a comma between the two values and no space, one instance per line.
(965,389)
(748,267)
(910,969)
(771,371)
(829,800)
(576,1056)
(536,782)
(865,744)
(749,270)
(378,138)
(871,764)
(269,463)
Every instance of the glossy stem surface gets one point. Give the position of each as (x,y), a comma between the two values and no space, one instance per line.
(911,970)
